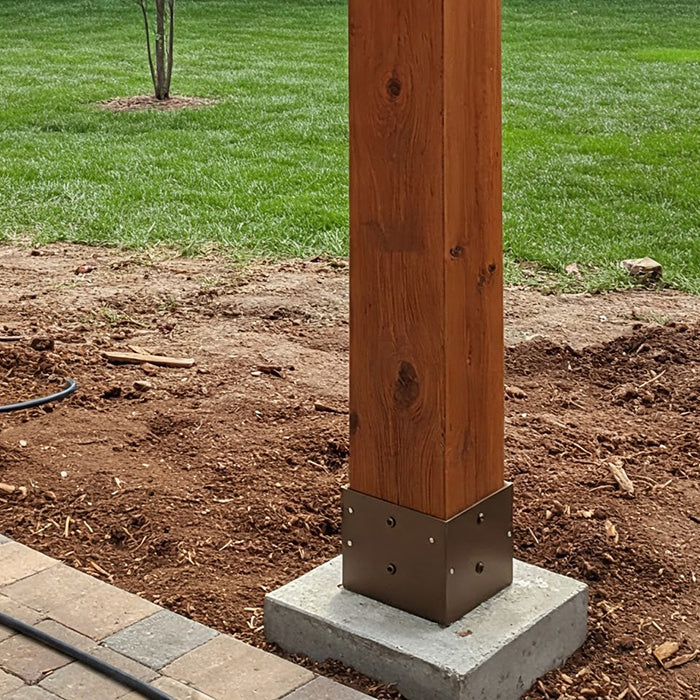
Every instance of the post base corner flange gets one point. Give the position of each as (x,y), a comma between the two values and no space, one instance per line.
(436,569)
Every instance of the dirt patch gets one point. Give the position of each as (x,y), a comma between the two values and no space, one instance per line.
(138,102)
(203,488)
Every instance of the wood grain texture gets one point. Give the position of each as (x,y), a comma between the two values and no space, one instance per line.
(474,277)
(426,413)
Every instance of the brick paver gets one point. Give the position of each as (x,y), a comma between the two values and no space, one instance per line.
(30,692)
(176,690)
(159,639)
(196,662)
(18,562)
(66,634)
(8,683)
(79,601)
(76,682)
(325,689)
(125,664)
(19,612)
(28,659)
(228,668)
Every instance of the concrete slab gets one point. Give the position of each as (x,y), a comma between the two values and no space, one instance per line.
(4,540)
(160,639)
(495,652)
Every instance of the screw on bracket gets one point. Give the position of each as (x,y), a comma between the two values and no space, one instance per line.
(391,522)
(391,569)
(480,567)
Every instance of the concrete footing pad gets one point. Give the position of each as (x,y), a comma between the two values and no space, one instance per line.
(495,652)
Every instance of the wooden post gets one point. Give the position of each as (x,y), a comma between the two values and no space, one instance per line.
(426,348)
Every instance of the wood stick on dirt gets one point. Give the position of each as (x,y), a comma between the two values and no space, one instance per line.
(328,409)
(619,474)
(139,358)
(274,370)
(682,660)
(10,338)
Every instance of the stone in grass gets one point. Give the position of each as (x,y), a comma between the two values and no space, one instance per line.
(644,269)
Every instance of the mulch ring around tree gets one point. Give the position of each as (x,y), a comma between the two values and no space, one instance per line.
(138,102)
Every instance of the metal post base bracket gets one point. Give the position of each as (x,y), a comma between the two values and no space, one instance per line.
(436,569)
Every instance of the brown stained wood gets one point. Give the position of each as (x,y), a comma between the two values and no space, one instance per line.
(426,387)
(473,252)
(139,358)
(396,212)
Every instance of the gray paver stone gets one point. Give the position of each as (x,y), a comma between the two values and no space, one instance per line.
(126,664)
(325,689)
(17,562)
(227,668)
(79,601)
(160,639)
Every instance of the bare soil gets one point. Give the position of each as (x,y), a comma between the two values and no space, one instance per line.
(203,488)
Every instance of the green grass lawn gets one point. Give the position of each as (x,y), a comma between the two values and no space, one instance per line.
(601,131)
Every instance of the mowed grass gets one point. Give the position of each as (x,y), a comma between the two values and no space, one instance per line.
(602,135)
(601,131)
(263,170)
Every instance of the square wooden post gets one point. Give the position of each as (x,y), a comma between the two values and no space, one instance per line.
(426,307)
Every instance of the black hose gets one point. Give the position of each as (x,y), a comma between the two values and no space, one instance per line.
(70,387)
(116,674)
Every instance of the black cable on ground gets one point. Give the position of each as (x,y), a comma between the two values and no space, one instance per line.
(116,674)
(70,387)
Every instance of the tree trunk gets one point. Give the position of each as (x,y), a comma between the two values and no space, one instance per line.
(144,10)
(171,7)
(161,90)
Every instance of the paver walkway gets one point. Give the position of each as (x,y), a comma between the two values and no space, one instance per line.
(186,660)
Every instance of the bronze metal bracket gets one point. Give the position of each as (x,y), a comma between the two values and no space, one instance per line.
(436,569)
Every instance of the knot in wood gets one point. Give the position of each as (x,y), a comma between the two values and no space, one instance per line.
(393,87)
(407,388)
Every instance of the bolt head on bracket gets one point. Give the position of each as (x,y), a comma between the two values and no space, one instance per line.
(436,569)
